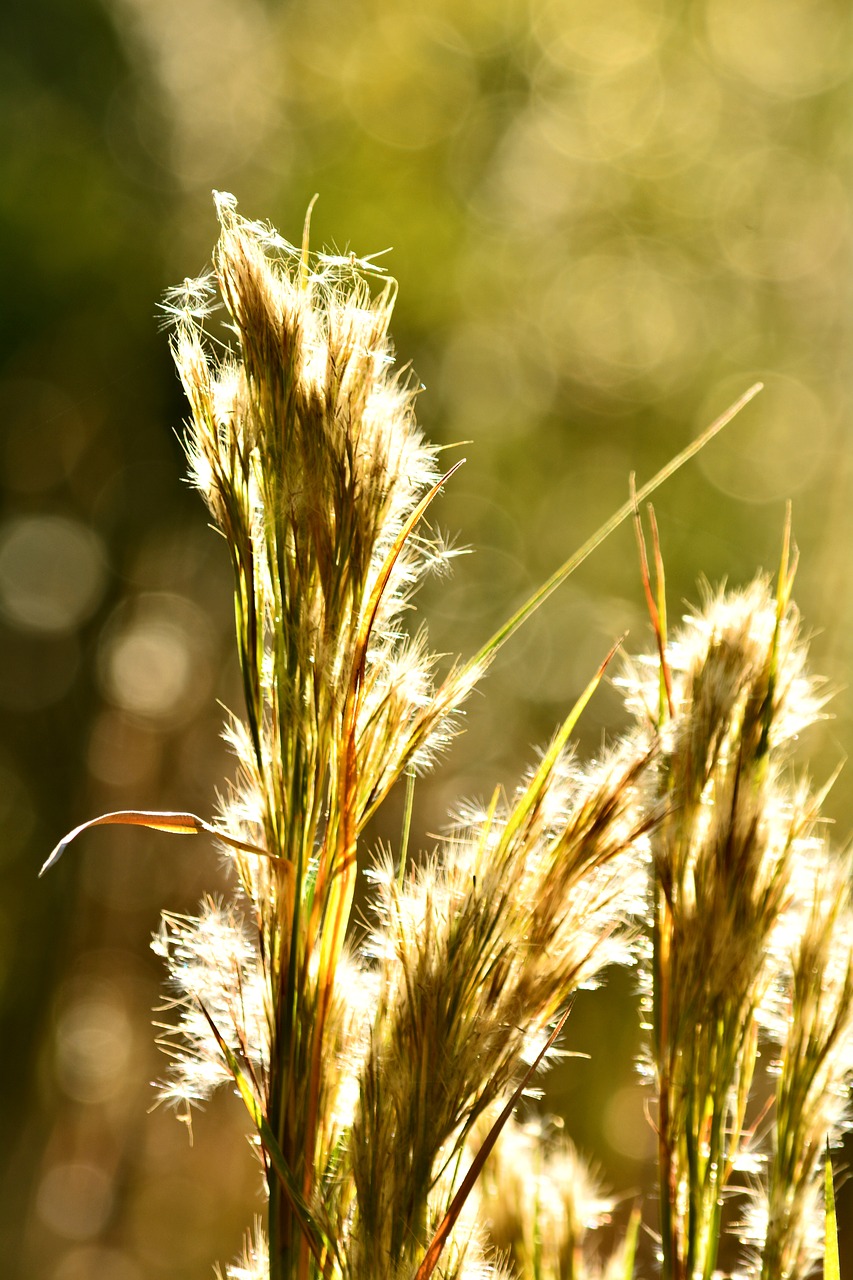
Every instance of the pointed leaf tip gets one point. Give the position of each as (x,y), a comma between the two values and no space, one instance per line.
(831,1258)
(56,854)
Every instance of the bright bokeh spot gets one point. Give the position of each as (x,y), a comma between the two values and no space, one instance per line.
(154,659)
(622,314)
(93,1042)
(592,37)
(212,62)
(52,572)
(780,215)
(75,1199)
(426,83)
(779,446)
(621,112)
(785,47)
(626,1126)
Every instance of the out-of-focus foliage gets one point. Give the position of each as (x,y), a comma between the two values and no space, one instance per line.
(607,221)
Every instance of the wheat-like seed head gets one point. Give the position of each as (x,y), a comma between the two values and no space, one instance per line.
(738,841)
(367,1071)
(478,949)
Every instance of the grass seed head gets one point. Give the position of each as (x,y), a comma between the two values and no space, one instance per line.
(254,1262)
(541,1201)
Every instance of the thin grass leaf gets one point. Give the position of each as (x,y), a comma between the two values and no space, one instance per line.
(632,1238)
(469,671)
(305,256)
(534,789)
(653,607)
(408,805)
(433,1253)
(604,531)
(660,585)
(831,1260)
(176,824)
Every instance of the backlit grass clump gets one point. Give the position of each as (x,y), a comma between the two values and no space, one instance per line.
(381,1070)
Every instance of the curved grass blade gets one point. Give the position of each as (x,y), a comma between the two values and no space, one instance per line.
(464,676)
(433,1253)
(180,824)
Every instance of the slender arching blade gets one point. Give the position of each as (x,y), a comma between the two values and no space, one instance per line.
(179,824)
(632,1236)
(534,789)
(565,570)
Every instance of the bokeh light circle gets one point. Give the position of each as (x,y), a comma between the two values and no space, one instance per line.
(775,448)
(154,659)
(52,572)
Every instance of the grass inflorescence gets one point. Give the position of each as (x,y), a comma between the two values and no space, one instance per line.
(379,1072)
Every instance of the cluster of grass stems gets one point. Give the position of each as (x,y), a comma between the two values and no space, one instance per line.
(383,1070)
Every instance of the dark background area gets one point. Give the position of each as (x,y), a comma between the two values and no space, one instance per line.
(606,221)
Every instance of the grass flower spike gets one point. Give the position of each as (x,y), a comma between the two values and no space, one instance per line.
(545,1206)
(480,949)
(728,858)
(813,1077)
(304,445)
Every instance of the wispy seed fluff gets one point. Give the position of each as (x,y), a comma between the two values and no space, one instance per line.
(215,973)
(543,1205)
(477,950)
(736,842)
(254,1262)
(814,1075)
(302,440)
(304,445)
(729,857)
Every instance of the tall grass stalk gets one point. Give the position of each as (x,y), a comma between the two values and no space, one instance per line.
(749,932)
(375,1070)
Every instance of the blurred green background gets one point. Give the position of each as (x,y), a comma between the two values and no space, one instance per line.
(607,220)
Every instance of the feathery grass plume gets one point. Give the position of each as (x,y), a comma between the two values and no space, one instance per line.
(543,1205)
(213,962)
(724,858)
(254,1261)
(478,950)
(304,445)
(813,1079)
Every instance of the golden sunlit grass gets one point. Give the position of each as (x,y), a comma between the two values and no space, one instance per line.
(380,1069)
